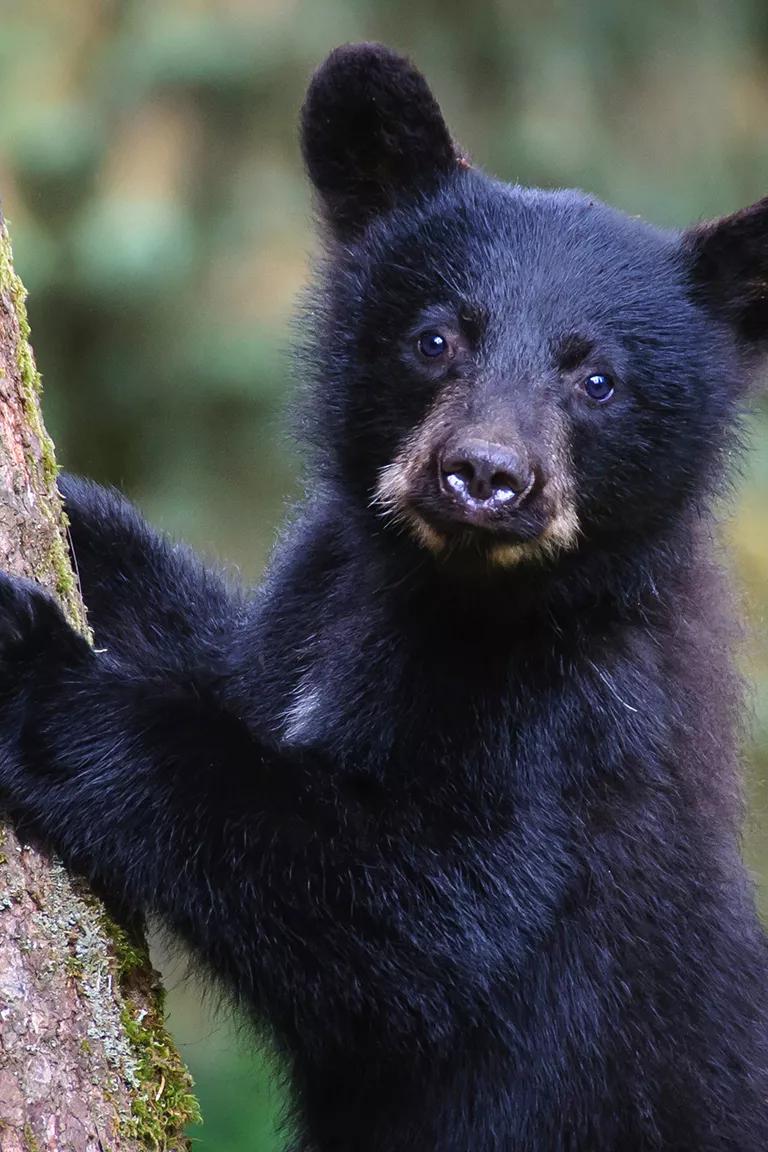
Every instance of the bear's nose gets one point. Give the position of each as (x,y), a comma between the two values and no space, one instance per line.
(491,475)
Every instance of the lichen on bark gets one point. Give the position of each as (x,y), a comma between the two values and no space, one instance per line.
(86,1061)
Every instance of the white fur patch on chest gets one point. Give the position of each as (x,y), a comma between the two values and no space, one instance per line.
(298,718)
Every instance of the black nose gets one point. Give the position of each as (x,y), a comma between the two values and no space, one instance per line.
(478,472)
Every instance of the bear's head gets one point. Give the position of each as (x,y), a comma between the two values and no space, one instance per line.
(509,372)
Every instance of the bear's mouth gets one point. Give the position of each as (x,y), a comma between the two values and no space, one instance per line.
(476,532)
(468,503)
(490,539)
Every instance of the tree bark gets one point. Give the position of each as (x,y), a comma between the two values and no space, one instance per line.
(86,1064)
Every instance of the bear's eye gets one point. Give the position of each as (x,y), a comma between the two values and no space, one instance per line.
(432,344)
(599,387)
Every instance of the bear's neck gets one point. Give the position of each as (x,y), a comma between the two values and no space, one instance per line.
(383,654)
(605,583)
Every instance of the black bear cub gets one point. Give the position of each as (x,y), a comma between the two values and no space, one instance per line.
(451,802)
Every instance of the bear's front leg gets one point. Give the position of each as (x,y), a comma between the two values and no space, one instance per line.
(148,785)
(37,647)
(148,596)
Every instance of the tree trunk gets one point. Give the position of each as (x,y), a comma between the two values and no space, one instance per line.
(86,1064)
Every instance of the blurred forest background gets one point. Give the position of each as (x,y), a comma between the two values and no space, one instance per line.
(150,170)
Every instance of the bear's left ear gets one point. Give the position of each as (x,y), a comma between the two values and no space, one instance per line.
(729,264)
(371,132)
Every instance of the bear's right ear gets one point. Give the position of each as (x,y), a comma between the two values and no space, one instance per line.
(371,132)
(729,265)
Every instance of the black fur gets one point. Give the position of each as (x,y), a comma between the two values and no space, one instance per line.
(730,259)
(465,835)
(372,135)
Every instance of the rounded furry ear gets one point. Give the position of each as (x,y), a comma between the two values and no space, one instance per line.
(730,269)
(371,131)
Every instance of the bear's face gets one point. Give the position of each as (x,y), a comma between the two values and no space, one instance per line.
(512,373)
(525,370)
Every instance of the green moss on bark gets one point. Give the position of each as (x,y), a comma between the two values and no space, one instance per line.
(163,1101)
(57,562)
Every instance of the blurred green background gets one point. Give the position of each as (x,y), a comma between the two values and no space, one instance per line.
(149,168)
